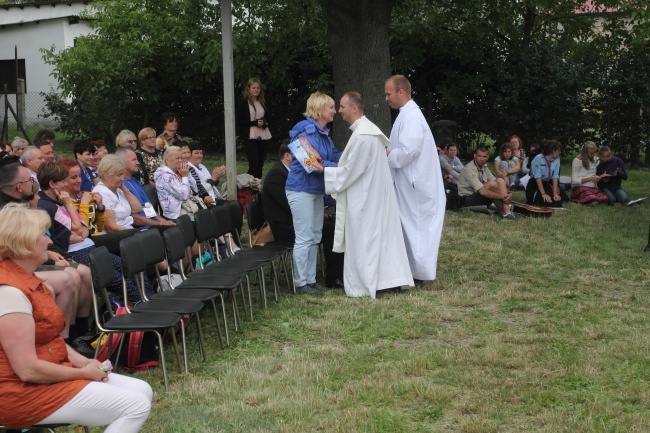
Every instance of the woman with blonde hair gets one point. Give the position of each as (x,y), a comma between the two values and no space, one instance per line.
(126,138)
(172,183)
(584,180)
(43,380)
(305,191)
(252,116)
(149,157)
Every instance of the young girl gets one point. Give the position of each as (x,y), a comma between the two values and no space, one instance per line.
(507,166)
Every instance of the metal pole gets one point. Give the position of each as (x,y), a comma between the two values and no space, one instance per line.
(16,64)
(229,98)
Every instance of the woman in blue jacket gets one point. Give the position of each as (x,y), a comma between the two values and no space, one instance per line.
(305,191)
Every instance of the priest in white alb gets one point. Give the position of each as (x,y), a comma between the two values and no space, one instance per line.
(367,220)
(415,167)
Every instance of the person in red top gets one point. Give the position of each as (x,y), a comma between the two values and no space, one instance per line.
(43,380)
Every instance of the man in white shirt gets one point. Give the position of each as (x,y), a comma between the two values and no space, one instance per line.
(367,219)
(417,178)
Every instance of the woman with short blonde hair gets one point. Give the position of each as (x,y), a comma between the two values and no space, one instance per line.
(43,380)
(305,191)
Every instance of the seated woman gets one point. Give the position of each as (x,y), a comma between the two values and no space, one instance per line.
(507,166)
(450,163)
(612,174)
(67,230)
(120,203)
(172,183)
(210,180)
(198,190)
(584,178)
(519,152)
(543,189)
(148,156)
(91,211)
(126,138)
(43,380)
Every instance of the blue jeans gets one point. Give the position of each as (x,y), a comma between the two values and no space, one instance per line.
(307,212)
(618,195)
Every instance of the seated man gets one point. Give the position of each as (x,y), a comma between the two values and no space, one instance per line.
(478,186)
(32,158)
(278,215)
(147,217)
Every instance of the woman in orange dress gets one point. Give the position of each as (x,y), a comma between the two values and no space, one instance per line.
(43,380)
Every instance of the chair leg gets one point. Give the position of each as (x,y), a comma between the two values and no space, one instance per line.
(235,311)
(178,354)
(199,331)
(216,318)
(262,283)
(161,352)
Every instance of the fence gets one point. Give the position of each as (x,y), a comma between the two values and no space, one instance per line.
(29,108)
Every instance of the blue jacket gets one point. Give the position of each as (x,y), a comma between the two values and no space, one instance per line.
(299,179)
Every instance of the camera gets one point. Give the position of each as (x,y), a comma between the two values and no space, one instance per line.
(265,124)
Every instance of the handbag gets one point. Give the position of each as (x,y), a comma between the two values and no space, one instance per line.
(262,236)
(192,205)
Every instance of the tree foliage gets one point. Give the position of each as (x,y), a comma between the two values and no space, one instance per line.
(567,70)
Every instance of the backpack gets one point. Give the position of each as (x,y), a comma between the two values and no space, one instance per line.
(139,352)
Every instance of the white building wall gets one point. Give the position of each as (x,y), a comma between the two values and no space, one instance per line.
(30,30)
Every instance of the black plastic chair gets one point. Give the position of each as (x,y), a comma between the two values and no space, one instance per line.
(208,231)
(154,251)
(134,265)
(101,267)
(175,252)
(152,195)
(255,219)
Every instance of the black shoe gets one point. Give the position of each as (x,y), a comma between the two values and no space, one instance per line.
(318,288)
(337,284)
(306,290)
(83,348)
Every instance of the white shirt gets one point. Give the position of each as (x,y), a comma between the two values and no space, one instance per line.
(118,203)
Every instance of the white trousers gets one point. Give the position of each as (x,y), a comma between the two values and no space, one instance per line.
(122,404)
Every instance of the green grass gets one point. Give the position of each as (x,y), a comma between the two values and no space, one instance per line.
(532,325)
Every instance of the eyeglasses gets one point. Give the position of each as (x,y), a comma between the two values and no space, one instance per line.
(147,138)
(31,179)
(20,148)
(133,140)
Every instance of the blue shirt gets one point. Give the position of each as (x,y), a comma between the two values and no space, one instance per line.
(539,168)
(136,189)
(87,177)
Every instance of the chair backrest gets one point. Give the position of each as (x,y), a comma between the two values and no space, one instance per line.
(236,221)
(222,219)
(174,248)
(133,256)
(185,223)
(101,268)
(153,245)
(152,195)
(206,228)
(255,215)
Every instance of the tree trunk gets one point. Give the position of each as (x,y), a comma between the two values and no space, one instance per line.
(358,40)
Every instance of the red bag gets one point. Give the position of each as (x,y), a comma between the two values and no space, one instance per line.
(140,352)
(244,195)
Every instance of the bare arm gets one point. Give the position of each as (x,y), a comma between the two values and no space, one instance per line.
(17,338)
(135,204)
(111,224)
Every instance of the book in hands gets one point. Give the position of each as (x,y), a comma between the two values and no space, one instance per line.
(305,153)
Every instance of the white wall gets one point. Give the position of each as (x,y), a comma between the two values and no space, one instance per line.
(31,29)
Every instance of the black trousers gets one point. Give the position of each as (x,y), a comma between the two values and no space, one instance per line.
(256,155)
(283,233)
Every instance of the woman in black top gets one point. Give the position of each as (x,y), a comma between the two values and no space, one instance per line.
(252,124)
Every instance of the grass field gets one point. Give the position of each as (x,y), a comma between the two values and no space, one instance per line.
(532,325)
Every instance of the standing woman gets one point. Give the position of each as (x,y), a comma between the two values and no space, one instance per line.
(543,189)
(305,191)
(44,380)
(251,117)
